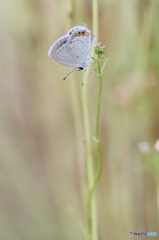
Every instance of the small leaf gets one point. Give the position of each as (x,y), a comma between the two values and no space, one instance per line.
(77,219)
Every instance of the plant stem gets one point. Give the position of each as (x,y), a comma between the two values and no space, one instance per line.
(92,230)
(95,18)
(99,153)
(91,213)
(90,219)
(99,100)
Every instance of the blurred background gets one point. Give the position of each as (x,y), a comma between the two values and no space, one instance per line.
(42,143)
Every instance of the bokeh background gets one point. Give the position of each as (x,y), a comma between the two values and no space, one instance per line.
(42,142)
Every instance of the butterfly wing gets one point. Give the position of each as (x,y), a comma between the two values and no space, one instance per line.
(79,44)
(58,52)
(73,49)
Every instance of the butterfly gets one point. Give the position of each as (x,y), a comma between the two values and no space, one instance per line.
(73,49)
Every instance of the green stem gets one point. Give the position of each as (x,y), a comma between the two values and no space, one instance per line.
(92,230)
(100,163)
(89,158)
(95,18)
(99,99)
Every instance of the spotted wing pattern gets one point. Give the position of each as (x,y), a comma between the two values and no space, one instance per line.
(74,48)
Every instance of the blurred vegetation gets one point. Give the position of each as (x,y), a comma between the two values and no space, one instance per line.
(42,148)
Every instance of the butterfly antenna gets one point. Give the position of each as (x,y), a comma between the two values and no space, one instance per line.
(70,73)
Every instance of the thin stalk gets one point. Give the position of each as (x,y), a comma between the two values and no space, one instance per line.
(100,162)
(95,18)
(99,100)
(92,229)
(89,158)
